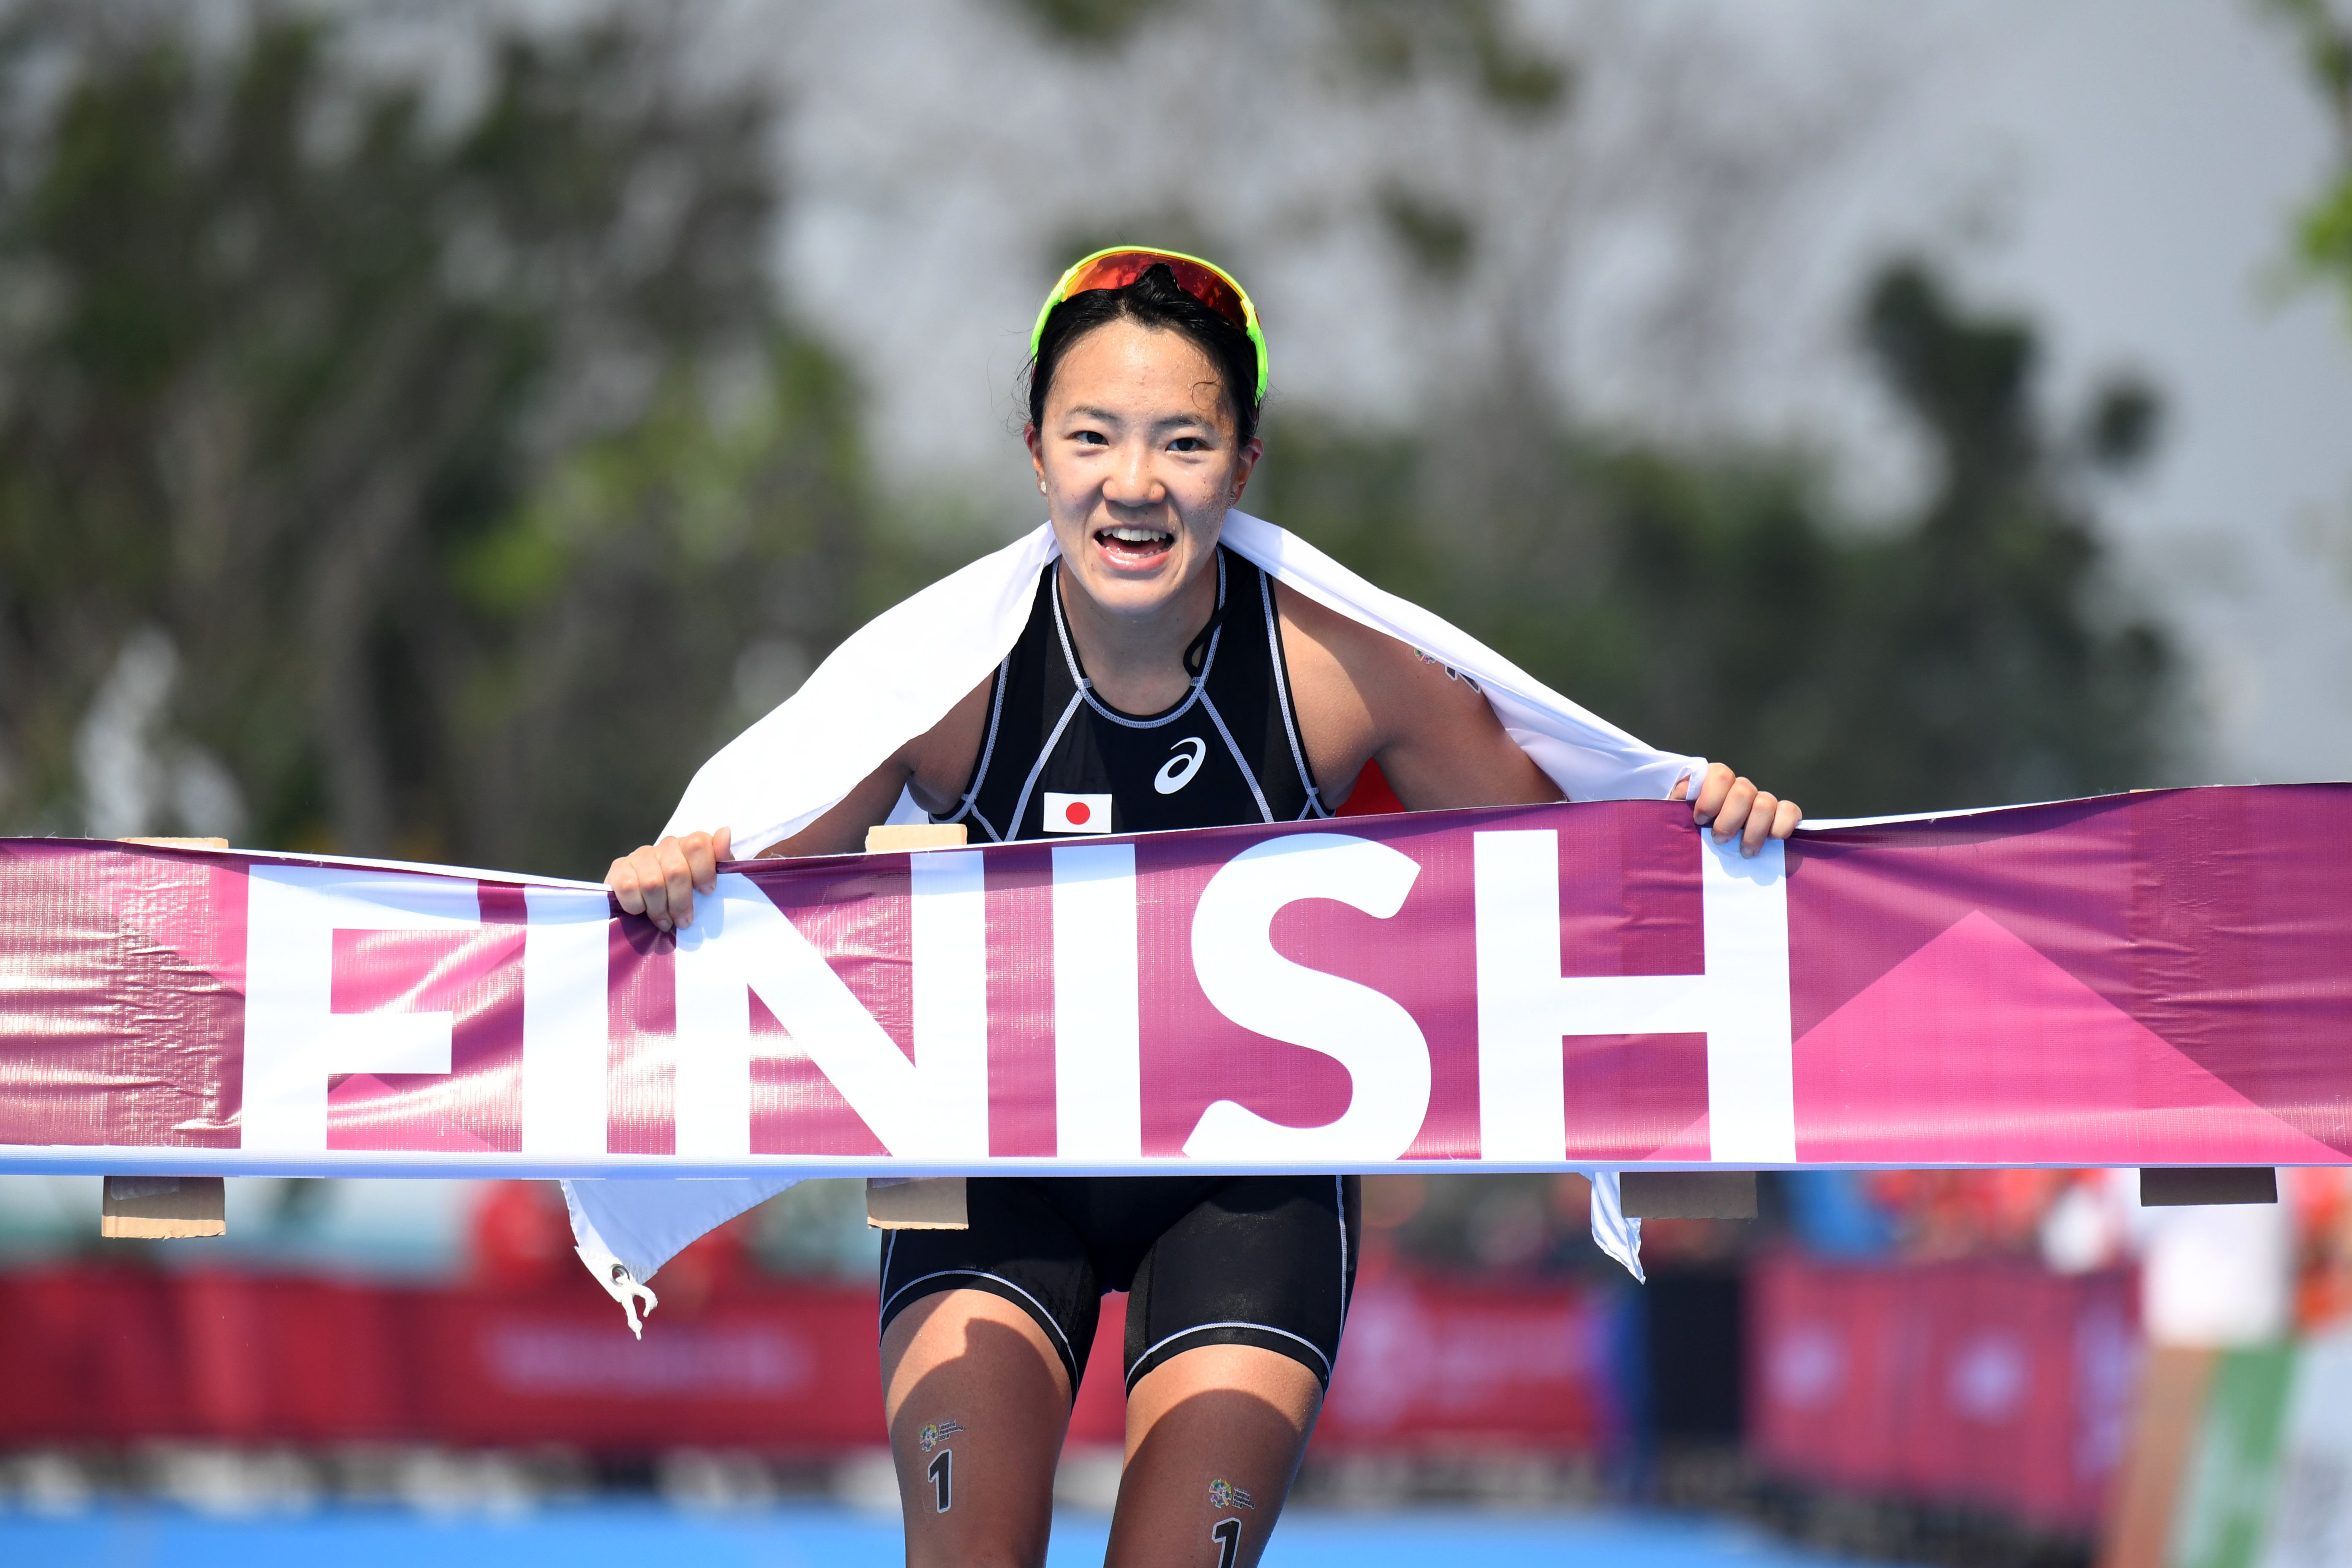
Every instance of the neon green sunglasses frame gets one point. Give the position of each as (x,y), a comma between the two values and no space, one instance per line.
(1079,271)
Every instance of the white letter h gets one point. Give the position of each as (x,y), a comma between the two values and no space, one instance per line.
(1526,1006)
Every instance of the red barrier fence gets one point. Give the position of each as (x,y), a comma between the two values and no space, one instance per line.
(1993,1383)
(1440,1360)
(116,1356)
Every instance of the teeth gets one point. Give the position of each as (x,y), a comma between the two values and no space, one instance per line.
(1138,535)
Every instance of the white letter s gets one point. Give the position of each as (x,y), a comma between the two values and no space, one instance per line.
(1246,979)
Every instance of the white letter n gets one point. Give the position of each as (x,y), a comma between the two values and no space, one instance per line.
(933,1108)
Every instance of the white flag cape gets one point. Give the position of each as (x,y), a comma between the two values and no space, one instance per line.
(899,675)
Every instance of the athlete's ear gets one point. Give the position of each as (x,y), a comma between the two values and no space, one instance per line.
(1244,461)
(1036,454)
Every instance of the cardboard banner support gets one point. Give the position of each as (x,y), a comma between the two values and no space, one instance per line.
(162,1208)
(1688,1194)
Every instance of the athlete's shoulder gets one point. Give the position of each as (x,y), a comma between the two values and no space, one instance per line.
(1374,687)
(1364,653)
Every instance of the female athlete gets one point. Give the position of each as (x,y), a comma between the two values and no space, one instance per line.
(1168,681)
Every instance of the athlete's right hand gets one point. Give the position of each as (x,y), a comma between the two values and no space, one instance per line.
(659,880)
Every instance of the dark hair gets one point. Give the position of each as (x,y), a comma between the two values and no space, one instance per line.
(1155,301)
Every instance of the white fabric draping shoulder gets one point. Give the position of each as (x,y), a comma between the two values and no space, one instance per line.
(898,675)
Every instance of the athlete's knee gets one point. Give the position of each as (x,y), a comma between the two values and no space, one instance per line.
(972,1555)
(970,1543)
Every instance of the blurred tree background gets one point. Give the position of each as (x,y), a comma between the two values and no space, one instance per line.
(393,482)
(2323,29)
(384,476)
(1972,654)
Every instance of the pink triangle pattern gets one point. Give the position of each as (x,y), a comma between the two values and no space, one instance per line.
(1977,1048)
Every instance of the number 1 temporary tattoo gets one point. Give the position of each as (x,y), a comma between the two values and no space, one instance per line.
(941,1470)
(943,1474)
(1227,1533)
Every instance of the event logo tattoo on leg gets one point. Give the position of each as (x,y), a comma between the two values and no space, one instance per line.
(1227,1533)
(941,1470)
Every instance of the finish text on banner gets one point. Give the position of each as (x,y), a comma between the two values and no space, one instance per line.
(2148,979)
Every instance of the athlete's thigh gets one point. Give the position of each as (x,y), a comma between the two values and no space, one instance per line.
(977,1404)
(1233,1326)
(1213,1440)
(1268,1261)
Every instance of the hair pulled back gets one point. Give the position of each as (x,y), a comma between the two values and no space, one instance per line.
(1152,301)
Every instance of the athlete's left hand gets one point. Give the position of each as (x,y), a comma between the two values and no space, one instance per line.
(1738,809)
(659,880)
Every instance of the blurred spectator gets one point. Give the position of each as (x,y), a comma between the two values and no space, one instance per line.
(2088,1224)
(1509,1227)
(1965,1214)
(815,1230)
(1389,1201)
(1833,1212)
(2320,1199)
(2219,1275)
(522,1238)
(708,1267)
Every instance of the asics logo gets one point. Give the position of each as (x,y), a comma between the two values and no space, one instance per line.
(1178,770)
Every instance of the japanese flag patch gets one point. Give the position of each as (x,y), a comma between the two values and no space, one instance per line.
(1076,813)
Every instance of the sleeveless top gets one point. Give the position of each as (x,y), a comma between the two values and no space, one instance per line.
(1060,762)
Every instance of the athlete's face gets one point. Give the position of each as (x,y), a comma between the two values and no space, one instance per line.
(1139,462)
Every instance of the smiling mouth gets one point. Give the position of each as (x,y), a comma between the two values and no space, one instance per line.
(1134,545)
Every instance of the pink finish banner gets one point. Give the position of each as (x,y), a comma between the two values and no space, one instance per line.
(2162,978)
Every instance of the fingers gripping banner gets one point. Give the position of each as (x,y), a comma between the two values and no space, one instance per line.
(2152,979)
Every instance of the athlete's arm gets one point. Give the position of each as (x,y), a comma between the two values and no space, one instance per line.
(659,880)
(1362,696)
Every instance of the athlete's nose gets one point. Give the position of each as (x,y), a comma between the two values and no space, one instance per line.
(1132,483)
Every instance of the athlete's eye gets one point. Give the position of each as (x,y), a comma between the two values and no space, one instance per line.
(1091,439)
(1187,444)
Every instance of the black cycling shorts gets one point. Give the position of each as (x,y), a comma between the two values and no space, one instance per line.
(1206,1261)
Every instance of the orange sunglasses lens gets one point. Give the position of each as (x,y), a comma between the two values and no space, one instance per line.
(1122,267)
